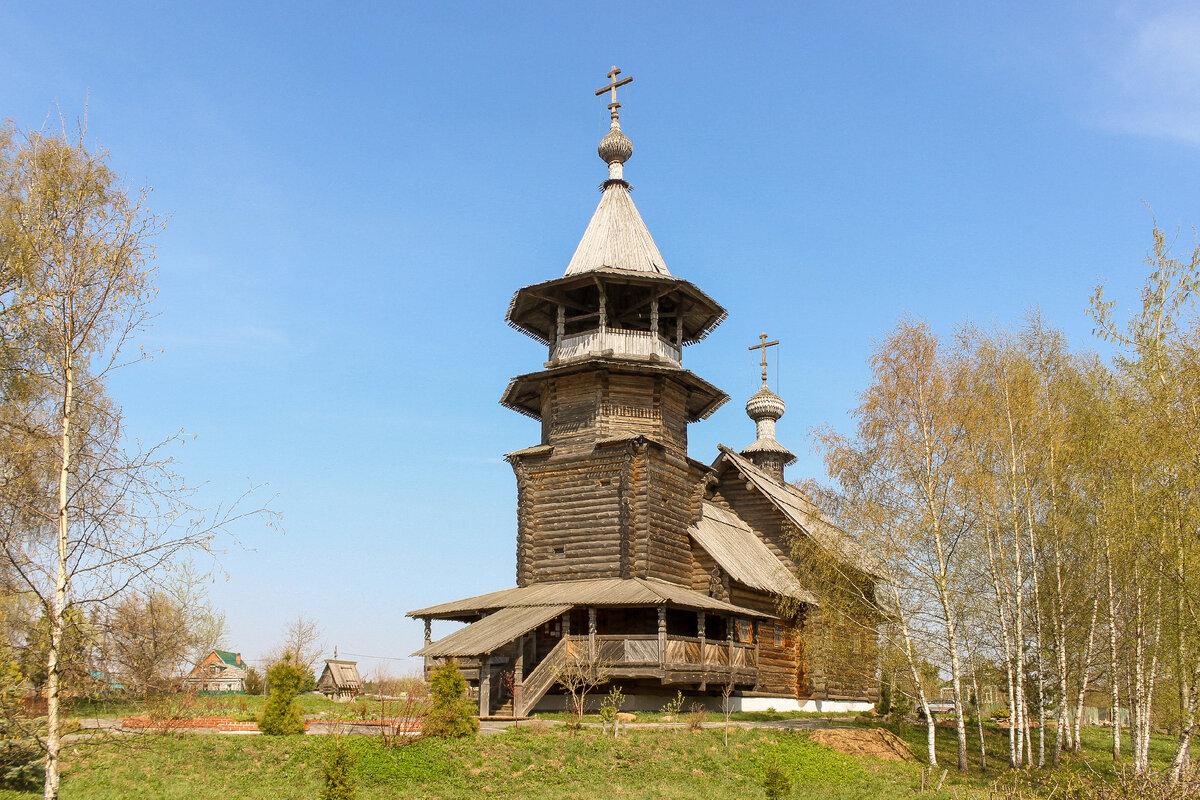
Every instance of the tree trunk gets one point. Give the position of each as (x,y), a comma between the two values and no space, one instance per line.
(978,707)
(58,609)
(912,665)
(1180,763)
(1006,636)
(1114,676)
(1085,674)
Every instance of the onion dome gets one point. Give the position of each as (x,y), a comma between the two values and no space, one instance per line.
(615,148)
(765,408)
(765,404)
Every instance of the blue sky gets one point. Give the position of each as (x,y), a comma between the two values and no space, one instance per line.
(354,191)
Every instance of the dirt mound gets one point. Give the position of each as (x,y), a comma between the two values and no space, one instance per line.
(875,742)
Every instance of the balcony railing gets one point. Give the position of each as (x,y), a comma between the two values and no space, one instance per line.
(681,652)
(617,341)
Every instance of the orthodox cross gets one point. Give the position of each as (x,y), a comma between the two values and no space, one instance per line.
(612,87)
(763,345)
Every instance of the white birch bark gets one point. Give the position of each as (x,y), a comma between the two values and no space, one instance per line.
(53,740)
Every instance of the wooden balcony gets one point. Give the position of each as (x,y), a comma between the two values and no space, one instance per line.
(673,659)
(616,342)
(669,659)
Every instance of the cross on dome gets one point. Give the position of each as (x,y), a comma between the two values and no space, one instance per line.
(612,87)
(763,345)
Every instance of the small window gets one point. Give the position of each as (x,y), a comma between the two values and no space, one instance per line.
(552,629)
(743,631)
(560,551)
(779,635)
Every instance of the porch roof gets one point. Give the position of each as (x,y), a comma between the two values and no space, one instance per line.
(592,592)
(735,547)
(491,632)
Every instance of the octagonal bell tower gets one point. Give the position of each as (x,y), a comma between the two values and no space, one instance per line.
(609,490)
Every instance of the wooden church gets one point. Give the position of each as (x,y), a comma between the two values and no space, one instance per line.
(671,573)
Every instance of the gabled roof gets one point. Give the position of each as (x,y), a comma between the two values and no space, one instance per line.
(231,659)
(342,674)
(804,514)
(594,592)
(747,559)
(224,671)
(616,238)
(492,631)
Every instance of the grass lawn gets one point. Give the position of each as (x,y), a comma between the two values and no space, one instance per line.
(535,761)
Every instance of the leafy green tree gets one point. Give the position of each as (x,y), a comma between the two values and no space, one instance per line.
(254,681)
(281,714)
(451,715)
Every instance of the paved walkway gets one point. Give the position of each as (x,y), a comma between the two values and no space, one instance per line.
(486,727)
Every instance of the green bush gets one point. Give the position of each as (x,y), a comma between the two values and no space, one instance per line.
(776,782)
(339,761)
(450,716)
(21,767)
(281,714)
(254,681)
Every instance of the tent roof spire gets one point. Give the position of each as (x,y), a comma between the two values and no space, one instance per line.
(616,238)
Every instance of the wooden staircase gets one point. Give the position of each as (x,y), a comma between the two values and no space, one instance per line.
(538,682)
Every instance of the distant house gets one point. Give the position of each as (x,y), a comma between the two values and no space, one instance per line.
(104,683)
(339,680)
(220,671)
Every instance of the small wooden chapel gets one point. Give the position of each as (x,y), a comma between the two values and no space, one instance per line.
(671,573)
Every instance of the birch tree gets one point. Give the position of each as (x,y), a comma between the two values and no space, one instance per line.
(905,459)
(97,512)
(1157,348)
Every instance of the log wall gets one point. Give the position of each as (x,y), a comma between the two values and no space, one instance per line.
(829,661)
(580,409)
(615,496)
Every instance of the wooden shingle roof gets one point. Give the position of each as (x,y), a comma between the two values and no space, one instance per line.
(616,238)
(805,515)
(592,592)
(747,559)
(491,632)
(342,674)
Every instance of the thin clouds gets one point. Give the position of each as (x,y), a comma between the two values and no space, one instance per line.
(1150,79)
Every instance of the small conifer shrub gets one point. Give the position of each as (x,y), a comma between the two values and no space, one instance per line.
(281,714)
(776,782)
(450,716)
(336,771)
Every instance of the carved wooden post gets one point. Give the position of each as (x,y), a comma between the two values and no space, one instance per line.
(518,674)
(654,318)
(756,634)
(560,328)
(701,634)
(428,631)
(679,330)
(591,633)
(662,635)
(729,640)
(566,628)
(485,685)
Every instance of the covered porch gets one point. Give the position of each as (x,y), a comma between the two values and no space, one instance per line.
(514,655)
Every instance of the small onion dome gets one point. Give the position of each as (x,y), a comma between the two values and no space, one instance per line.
(765,404)
(615,148)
